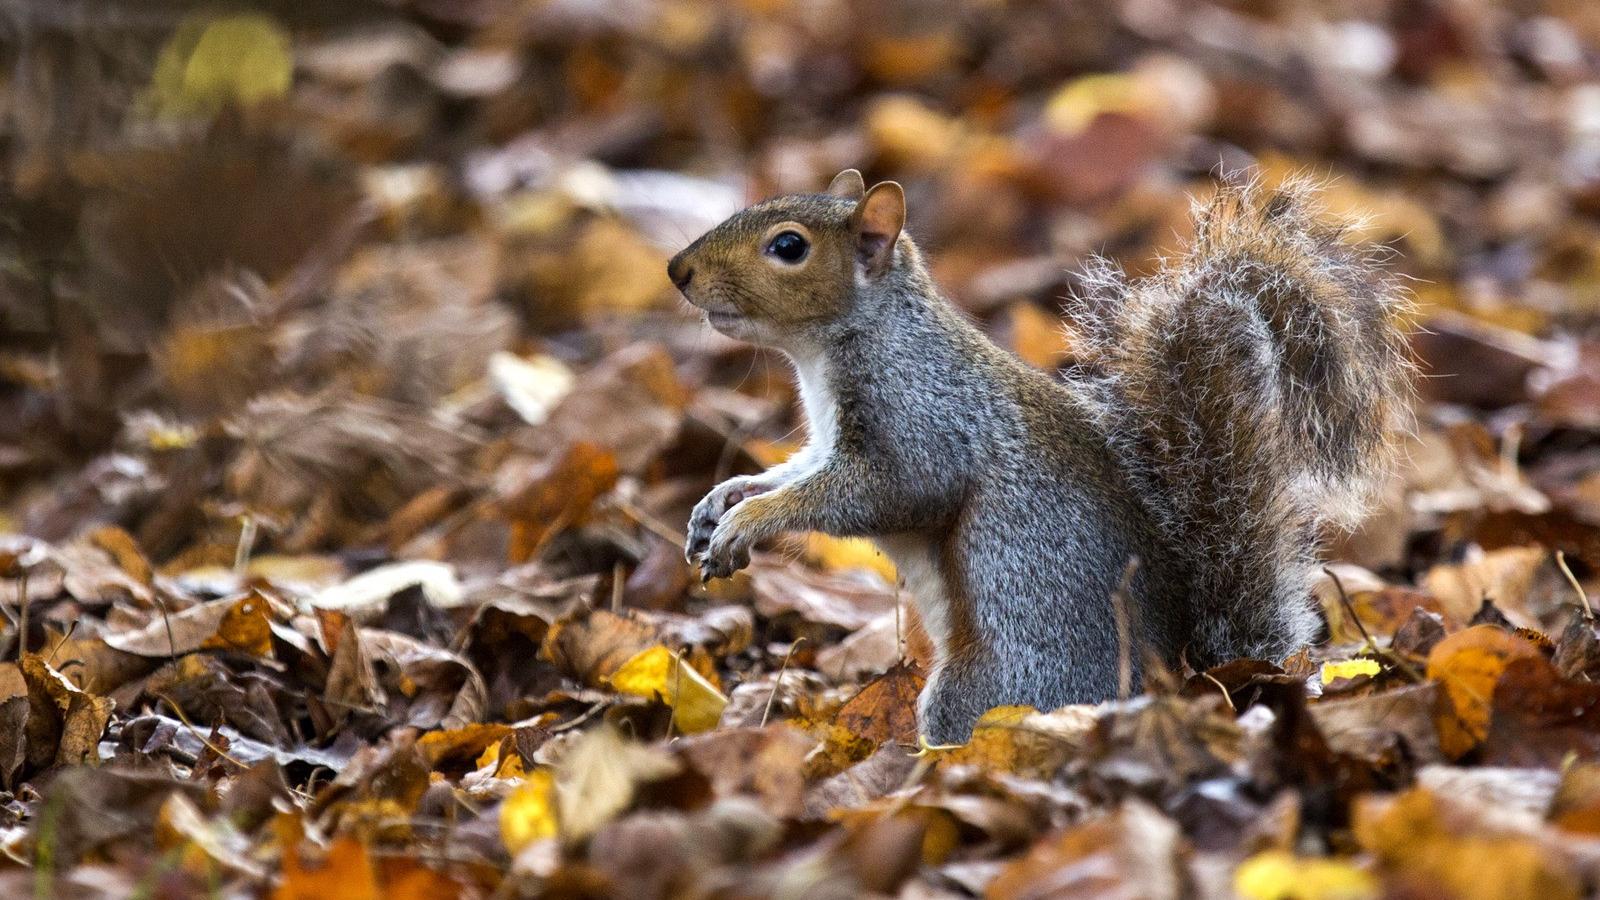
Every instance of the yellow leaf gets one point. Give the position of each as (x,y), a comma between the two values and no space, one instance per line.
(833,553)
(1003,741)
(1349,668)
(1081,101)
(510,767)
(209,63)
(1278,875)
(1419,838)
(658,672)
(529,813)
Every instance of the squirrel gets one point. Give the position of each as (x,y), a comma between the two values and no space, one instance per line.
(1169,488)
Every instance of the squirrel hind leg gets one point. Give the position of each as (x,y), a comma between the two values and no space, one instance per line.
(957,694)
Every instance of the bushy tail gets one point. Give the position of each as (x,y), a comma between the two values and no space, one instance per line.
(1253,391)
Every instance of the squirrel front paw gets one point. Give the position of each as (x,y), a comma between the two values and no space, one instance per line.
(728,548)
(712,507)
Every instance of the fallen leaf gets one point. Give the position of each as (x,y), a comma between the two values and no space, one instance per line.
(529,813)
(659,673)
(1468,664)
(847,599)
(1129,854)
(766,763)
(554,495)
(210,62)
(1279,875)
(1411,838)
(1349,668)
(832,553)
(245,627)
(175,634)
(345,871)
(64,724)
(591,644)
(1012,739)
(1506,576)
(599,776)
(1540,719)
(366,596)
(531,386)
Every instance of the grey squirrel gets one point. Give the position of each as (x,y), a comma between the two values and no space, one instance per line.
(1220,414)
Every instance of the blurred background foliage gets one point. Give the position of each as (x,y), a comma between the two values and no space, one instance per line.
(303,264)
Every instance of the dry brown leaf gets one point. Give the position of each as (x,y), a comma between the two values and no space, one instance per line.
(556,495)
(767,763)
(1130,854)
(848,600)
(1540,719)
(886,709)
(345,871)
(185,631)
(591,644)
(883,711)
(426,686)
(64,724)
(1507,576)
(1007,739)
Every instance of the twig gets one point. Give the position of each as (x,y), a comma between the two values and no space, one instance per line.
(247,540)
(172,642)
(677,694)
(777,683)
(1119,609)
(61,643)
(616,586)
(22,615)
(1223,688)
(1583,596)
(581,718)
(1349,609)
(651,523)
(1389,654)
(221,753)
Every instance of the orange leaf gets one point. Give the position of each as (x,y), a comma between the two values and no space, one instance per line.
(1468,664)
(346,872)
(245,627)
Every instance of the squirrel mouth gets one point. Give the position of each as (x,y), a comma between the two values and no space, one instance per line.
(718,318)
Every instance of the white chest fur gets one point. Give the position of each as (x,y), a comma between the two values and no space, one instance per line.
(913,557)
(816,395)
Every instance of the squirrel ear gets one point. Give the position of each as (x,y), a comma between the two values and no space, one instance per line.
(877,222)
(848,184)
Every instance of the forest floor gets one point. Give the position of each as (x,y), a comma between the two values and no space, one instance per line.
(354,426)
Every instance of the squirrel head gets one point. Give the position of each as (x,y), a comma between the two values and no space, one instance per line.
(786,267)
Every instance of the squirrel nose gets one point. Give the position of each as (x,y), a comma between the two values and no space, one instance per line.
(680,272)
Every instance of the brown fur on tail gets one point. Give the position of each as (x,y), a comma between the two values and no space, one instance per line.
(1252,391)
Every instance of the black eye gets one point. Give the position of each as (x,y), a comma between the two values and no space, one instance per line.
(788,246)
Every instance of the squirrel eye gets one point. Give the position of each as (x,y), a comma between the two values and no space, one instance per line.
(788,246)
